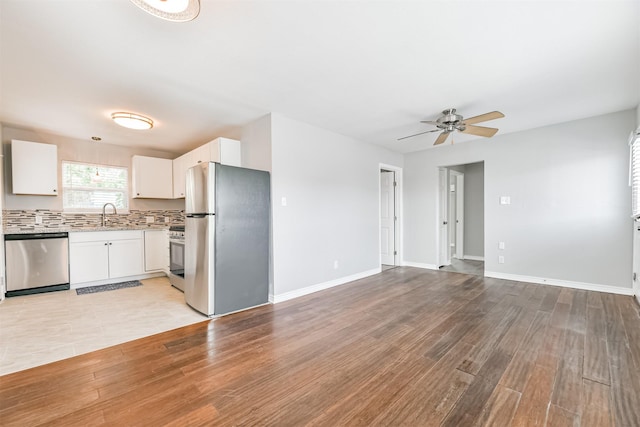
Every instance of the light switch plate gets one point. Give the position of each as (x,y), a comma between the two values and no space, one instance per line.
(284,201)
(501,245)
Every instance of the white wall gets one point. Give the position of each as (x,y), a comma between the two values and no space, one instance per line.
(570,203)
(79,151)
(331,184)
(256,144)
(474,210)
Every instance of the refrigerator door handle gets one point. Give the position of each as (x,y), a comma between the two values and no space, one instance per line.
(201,215)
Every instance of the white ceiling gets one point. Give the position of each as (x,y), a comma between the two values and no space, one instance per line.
(366,69)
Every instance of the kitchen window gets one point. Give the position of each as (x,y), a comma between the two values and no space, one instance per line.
(87,187)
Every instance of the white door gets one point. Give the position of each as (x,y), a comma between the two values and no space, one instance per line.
(443,227)
(452,214)
(460,216)
(387,218)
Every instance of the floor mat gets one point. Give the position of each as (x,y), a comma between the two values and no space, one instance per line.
(109,287)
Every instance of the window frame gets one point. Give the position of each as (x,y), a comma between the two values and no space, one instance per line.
(125,191)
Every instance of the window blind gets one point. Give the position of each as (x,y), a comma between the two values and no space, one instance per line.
(87,187)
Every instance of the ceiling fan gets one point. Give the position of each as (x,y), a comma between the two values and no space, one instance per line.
(450,121)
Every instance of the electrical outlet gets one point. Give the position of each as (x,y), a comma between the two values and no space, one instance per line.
(500,259)
(283,202)
(38,219)
(335,264)
(167,220)
(501,245)
(150,219)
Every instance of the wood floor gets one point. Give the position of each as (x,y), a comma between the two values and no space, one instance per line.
(407,347)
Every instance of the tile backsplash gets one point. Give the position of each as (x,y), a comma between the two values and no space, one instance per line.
(25,220)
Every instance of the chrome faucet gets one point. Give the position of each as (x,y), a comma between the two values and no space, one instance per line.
(115,212)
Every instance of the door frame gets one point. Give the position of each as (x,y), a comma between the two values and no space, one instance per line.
(398,259)
(442,206)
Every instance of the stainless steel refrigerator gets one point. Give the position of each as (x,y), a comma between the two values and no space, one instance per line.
(226,260)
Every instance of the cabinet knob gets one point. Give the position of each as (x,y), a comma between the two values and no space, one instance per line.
(54,190)
(106,244)
(137,194)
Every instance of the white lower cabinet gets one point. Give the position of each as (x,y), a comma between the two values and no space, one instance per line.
(125,257)
(88,261)
(103,255)
(156,251)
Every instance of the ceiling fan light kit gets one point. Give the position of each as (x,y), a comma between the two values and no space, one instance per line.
(451,121)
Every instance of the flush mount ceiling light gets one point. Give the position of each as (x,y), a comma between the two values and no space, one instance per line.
(171,10)
(132,121)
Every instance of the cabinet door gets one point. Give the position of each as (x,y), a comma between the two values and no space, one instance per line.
(34,168)
(88,261)
(228,151)
(200,154)
(152,177)
(179,171)
(125,258)
(156,250)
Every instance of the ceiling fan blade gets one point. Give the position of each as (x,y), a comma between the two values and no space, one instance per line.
(442,138)
(431,122)
(480,131)
(421,133)
(483,118)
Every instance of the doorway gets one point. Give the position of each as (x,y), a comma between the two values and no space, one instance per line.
(389,217)
(461,218)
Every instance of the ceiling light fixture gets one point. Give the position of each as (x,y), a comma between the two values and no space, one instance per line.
(132,121)
(171,10)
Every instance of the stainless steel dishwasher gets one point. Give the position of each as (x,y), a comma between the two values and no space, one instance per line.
(36,262)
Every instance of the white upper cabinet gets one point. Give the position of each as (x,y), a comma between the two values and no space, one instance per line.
(179,172)
(221,150)
(34,168)
(225,151)
(152,178)
(201,154)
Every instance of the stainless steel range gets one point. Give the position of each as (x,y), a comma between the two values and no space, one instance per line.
(176,256)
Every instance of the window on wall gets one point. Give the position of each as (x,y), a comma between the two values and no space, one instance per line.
(87,187)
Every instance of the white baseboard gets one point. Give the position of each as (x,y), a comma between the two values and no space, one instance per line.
(473,258)
(321,286)
(420,265)
(117,280)
(563,283)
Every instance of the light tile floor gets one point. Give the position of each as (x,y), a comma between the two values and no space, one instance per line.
(466,266)
(42,328)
